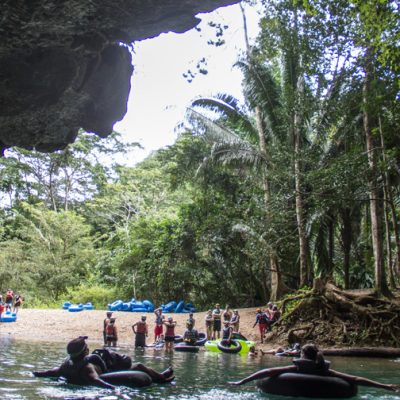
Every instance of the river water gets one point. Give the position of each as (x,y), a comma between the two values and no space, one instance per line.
(200,376)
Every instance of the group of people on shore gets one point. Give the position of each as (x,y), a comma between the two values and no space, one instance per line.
(214,319)
(10,302)
(266,318)
(164,331)
(165,328)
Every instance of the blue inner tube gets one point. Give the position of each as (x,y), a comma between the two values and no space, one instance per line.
(226,347)
(186,348)
(75,309)
(307,385)
(133,379)
(202,339)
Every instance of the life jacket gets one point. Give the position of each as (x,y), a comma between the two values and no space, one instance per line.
(225,332)
(141,327)
(9,295)
(159,319)
(305,366)
(263,319)
(216,313)
(227,316)
(18,301)
(1,308)
(114,361)
(110,330)
(190,336)
(106,322)
(170,331)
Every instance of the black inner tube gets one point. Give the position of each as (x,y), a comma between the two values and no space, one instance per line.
(134,379)
(186,348)
(307,385)
(202,339)
(225,346)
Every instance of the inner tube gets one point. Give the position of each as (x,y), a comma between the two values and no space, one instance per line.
(288,354)
(307,385)
(202,339)
(8,317)
(178,339)
(186,348)
(225,346)
(75,308)
(180,306)
(133,379)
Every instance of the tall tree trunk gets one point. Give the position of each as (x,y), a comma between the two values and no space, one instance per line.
(301,226)
(331,243)
(278,288)
(347,235)
(374,192)
(390,209)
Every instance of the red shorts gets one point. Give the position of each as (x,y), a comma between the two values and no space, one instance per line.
(158,330)
(262,328)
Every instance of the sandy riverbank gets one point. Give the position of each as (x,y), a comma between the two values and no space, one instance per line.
(62,325)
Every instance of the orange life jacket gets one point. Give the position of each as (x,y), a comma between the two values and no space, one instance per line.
(110,330)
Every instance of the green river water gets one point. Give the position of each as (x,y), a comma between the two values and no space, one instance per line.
(199,376)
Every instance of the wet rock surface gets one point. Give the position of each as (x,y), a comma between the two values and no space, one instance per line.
(66,64)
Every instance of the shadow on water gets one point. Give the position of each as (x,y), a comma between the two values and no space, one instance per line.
(200,376)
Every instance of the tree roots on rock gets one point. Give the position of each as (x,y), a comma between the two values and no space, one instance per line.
(329,316)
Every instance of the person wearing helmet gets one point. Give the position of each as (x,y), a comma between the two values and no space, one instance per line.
(140,329)
(82,368)
(77,369)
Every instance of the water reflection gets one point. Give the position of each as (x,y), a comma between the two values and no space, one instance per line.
(200,376)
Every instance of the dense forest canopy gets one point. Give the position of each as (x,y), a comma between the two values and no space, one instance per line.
(252,201)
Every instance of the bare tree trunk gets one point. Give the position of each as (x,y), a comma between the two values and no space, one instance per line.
(347,234)
(299,202)
(374,193)
(278,288)
(389,206)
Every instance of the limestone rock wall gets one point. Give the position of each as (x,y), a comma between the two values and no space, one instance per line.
(65,64)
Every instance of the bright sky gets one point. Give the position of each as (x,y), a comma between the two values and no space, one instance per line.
(160,94)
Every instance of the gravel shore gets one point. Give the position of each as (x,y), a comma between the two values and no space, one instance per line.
(62,325)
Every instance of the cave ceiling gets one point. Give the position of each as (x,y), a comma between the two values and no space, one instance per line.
(66,64)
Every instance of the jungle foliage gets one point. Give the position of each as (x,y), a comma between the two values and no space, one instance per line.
(253,200)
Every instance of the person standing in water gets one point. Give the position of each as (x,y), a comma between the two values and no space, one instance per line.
(106,321)
(216,314)
(169,334)
(209,324)
(158,329)
(111,333)
(141,332)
